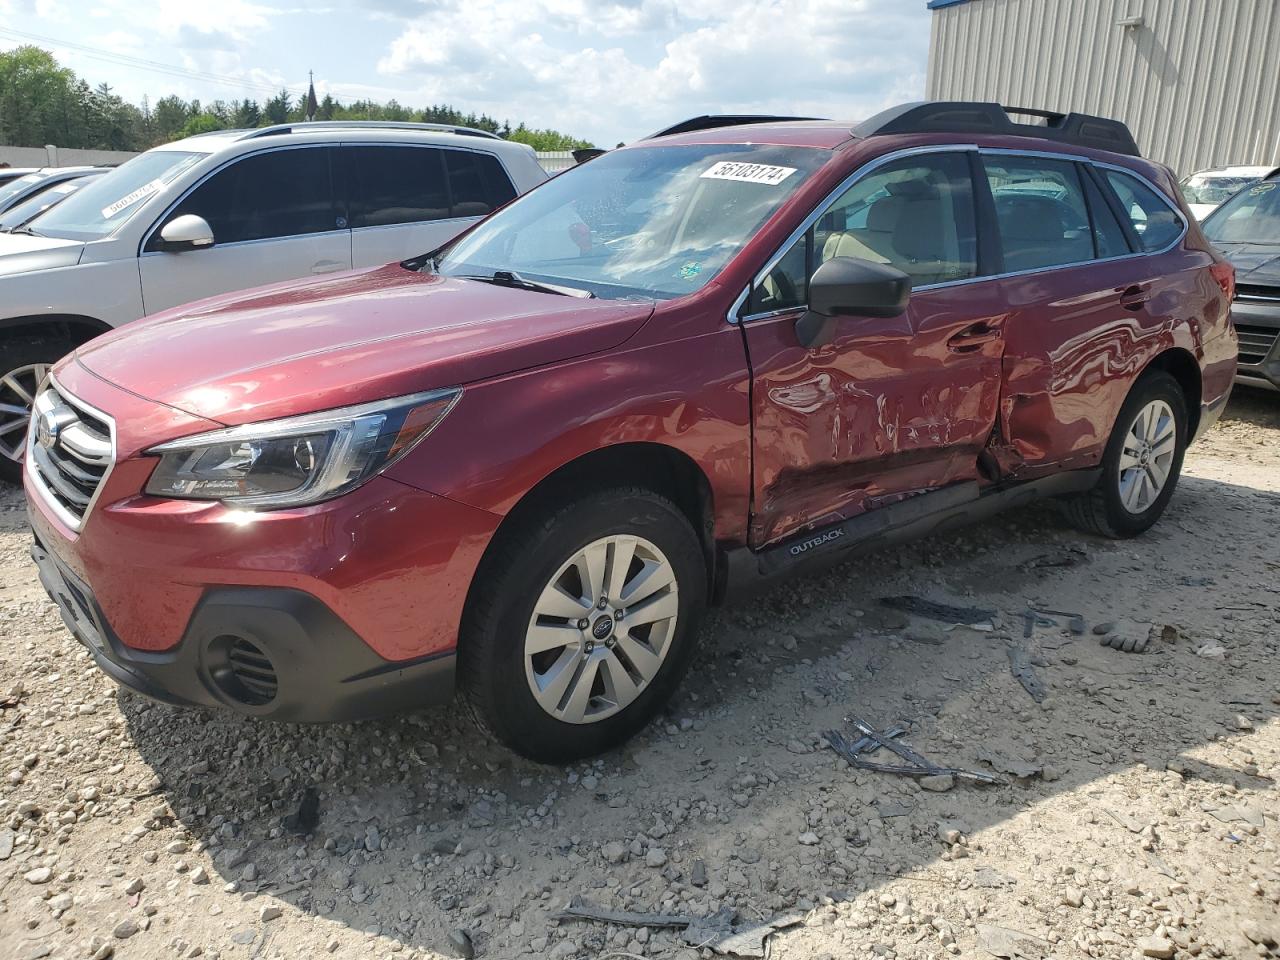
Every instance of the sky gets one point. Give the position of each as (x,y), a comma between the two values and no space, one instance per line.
(604,70)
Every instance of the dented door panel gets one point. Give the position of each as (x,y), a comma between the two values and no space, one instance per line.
(889,408)
(1076,341)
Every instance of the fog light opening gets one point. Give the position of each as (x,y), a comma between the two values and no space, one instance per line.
(245,674)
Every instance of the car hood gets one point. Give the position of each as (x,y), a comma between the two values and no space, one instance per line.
(22,253)
(1255,263)
(303,346)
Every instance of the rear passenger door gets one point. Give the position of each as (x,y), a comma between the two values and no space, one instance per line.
(1086,302)
(889,407)
(274,217)
(407,200)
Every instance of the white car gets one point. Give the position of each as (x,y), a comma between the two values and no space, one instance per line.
(1206,190)
(230,210)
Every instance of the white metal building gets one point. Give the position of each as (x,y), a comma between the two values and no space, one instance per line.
(1197,81)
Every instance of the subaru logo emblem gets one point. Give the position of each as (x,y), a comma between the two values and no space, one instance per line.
(603,627)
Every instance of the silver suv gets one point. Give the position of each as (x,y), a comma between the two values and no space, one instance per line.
(229,210)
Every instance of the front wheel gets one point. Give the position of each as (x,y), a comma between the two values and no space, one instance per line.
(1142,462)
(582,623)
(24,364)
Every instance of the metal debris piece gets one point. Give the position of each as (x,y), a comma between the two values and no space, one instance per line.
(305,819)
(1011,944)
(943,612)
(580,908)
(1022,670)
(1075,621)
(915,766)
(719,931)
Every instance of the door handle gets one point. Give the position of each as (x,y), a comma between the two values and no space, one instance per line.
(1135,297)
(328,266)
(972,337)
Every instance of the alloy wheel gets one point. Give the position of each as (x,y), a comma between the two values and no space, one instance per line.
(18,390)
(1147,456)
(601,629)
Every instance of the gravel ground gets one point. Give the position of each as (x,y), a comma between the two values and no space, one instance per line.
(1139,816)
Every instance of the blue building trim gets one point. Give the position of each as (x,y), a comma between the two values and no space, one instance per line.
(938,4)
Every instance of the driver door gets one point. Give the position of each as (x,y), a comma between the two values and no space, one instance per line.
(888,407)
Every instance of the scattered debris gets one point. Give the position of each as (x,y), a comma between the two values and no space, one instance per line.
(1045,618)
(1011,944)
(461,945)
(1211,651)
(991,879)
(1022,670)
(943,612)
(305,819)
(1014,766)
(1125,642)
(719,932)
(916,765)
(1067,557)
(1236,814)
(1129,823)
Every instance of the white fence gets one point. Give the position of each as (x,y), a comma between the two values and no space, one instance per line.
(53,156)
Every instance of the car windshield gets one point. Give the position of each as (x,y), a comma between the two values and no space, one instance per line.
(109,201)
(18,187)
(1251,216)
(20,213)
(1198,188)
(654,222)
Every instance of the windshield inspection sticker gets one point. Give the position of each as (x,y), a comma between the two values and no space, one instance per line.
(129,199)
(748,172)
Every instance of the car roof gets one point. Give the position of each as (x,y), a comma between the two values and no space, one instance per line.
(820,134)
(237,141)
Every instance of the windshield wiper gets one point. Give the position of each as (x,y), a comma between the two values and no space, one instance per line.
(27,230)
(509,278)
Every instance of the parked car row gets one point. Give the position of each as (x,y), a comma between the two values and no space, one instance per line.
(231,210)
(520,462)
(1206,190)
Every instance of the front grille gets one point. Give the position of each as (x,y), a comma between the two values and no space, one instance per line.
(1255,342)
(1245,291)
(70,450)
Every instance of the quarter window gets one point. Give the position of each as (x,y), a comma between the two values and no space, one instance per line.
(477,183)
(1108,236)
(283,193)
(391,185)
(1040,211)
(1155,222)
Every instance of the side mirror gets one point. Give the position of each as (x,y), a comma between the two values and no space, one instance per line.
(187,232)
(849,287)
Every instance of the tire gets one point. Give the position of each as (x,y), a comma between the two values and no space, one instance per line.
(24,362)
(1113,508)
(512,609)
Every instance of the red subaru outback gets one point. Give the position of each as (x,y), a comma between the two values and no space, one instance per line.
(521,467)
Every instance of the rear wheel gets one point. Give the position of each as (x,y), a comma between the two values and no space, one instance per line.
(582,623)
(1142,462)
(24,363)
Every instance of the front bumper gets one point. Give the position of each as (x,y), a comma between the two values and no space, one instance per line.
(315,666)
(1257,321)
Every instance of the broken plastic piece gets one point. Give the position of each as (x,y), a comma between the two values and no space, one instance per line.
(916,765)
(931,610)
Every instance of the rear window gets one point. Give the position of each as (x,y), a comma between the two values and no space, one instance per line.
(1041,212)
(477,183)
(390,185)
(1154,221)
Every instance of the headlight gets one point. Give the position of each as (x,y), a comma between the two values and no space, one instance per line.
(301,460)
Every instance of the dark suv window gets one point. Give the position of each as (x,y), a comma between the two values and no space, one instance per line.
(389,185)
(916,214)
(282,193)
(1154,221)
(1041,212)
(477,183)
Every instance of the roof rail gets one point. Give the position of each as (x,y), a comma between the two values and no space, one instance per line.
(712,121)
(282,128)
(958,116)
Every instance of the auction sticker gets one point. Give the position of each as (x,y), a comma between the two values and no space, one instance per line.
(129,199)
(749,172)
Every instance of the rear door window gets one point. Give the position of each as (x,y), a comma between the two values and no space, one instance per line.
(281,193)
(390,185)
(1041,212)
(1155,223)
(477,183)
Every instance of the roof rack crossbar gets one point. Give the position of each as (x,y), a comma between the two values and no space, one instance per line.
(283,128)
(713,121)
(958,116)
